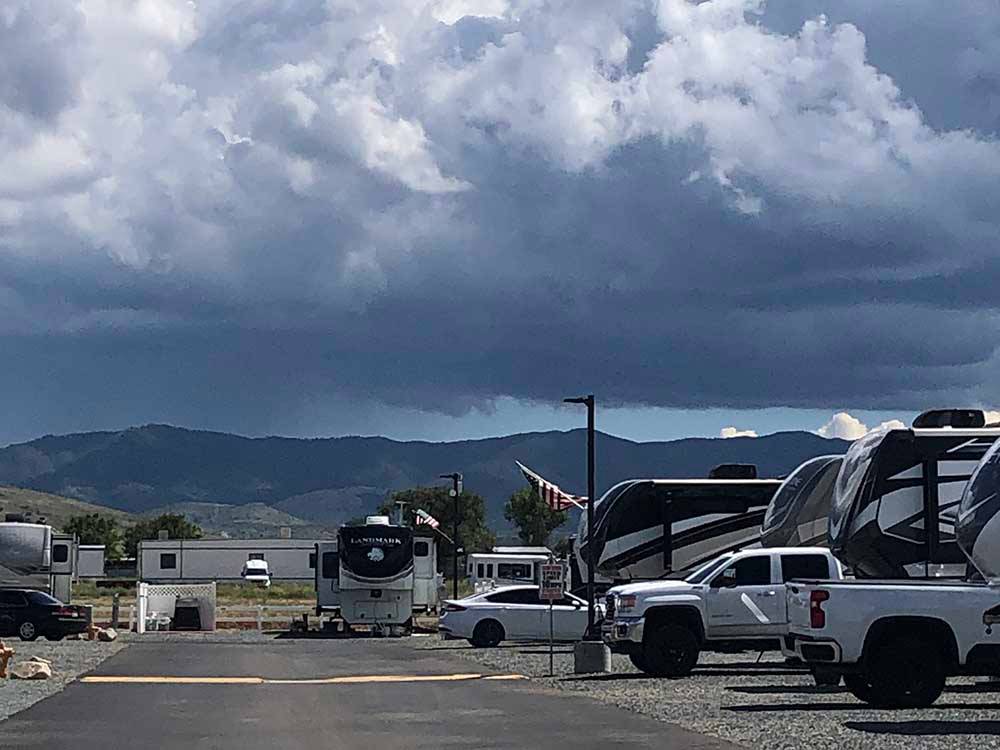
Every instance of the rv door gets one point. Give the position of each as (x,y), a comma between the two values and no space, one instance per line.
(327,576)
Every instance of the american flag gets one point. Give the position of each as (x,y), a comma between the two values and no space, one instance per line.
(550,493)
(426,519)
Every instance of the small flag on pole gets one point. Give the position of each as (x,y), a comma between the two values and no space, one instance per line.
(426,519)
(550,493)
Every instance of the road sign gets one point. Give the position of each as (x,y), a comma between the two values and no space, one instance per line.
(553,584)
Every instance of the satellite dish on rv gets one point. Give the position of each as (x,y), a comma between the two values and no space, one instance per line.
(978,523)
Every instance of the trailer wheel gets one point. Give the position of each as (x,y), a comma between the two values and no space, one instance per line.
(487,634)
(670,651)
(908,672)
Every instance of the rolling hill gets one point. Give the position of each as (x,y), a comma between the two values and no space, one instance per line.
(330,480)
(54,509)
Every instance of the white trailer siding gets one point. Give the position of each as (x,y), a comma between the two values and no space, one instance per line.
(90,561)
(196,560)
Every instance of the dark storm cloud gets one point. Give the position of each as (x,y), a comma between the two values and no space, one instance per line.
(238,215)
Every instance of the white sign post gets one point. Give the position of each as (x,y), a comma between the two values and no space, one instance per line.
(552,587)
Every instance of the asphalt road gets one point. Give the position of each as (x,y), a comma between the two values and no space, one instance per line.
(262,699)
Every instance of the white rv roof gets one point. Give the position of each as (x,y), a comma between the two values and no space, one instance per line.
(522,550)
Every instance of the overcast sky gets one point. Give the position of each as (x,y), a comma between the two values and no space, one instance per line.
(436,219)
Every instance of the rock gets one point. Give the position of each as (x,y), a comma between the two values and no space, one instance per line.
(107,635)
(5,656)
(40,660)
(31,670)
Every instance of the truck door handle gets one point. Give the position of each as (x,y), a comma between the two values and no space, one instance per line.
(767,593)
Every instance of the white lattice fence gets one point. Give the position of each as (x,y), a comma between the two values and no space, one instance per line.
(155,601)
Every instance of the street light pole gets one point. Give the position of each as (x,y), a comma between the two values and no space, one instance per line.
(589,402)
(455,491)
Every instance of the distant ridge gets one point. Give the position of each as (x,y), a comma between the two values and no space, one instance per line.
(330,480)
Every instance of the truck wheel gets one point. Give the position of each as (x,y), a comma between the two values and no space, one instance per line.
(487,634)
(670,651)
(826,677)
(638,661)
(907,673)
(859,686)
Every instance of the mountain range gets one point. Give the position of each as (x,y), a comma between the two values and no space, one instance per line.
(327,481)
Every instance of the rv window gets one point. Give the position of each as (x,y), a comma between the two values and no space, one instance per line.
(421,549)
(331,565)
(168,561)
(60,553)
(255,556)
(514,571)
(489,570)
(479,570)
(804,566)
(312,561)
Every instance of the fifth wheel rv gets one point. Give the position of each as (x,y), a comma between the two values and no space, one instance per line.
(34,556)
(645,528)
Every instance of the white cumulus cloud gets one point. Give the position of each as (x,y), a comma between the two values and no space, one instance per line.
(842,425)
(732,432)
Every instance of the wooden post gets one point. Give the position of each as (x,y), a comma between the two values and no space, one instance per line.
(5,655)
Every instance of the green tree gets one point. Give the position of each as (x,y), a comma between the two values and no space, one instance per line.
(176,526)
(473,533)
(534,519)
(95,528)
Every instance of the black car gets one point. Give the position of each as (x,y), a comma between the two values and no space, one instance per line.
(29,614)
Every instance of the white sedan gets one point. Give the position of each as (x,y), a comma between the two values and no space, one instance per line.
(513,613)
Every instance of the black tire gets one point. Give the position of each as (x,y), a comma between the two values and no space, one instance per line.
(670,650)
(908,672)
(859,686)
(487,634)
(27,631)
(54,636)
(826,677)
(637,661)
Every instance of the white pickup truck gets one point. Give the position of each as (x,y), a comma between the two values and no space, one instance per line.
(895,642)
(734,602)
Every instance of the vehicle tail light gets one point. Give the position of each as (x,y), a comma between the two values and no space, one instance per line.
(450,607)
(817,617)
(66,612)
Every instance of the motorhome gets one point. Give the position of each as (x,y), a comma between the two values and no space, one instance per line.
(798,514)
(645,528)
(33,555)
(897,495)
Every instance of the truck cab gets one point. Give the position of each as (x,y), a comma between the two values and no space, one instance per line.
(733,602)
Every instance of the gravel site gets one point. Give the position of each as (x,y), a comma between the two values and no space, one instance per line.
(69,660)
(761,704)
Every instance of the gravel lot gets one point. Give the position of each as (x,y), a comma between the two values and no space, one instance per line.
(69,660)
(762,705)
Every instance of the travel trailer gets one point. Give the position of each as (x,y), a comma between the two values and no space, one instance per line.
(645,528)
(33,555)
(505,566)
(897,495)
(798,514)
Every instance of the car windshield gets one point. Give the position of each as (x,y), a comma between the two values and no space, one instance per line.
(707,569)
(39,597)
(849,480)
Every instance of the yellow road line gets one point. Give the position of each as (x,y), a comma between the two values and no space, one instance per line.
(345,680)
(175,680)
